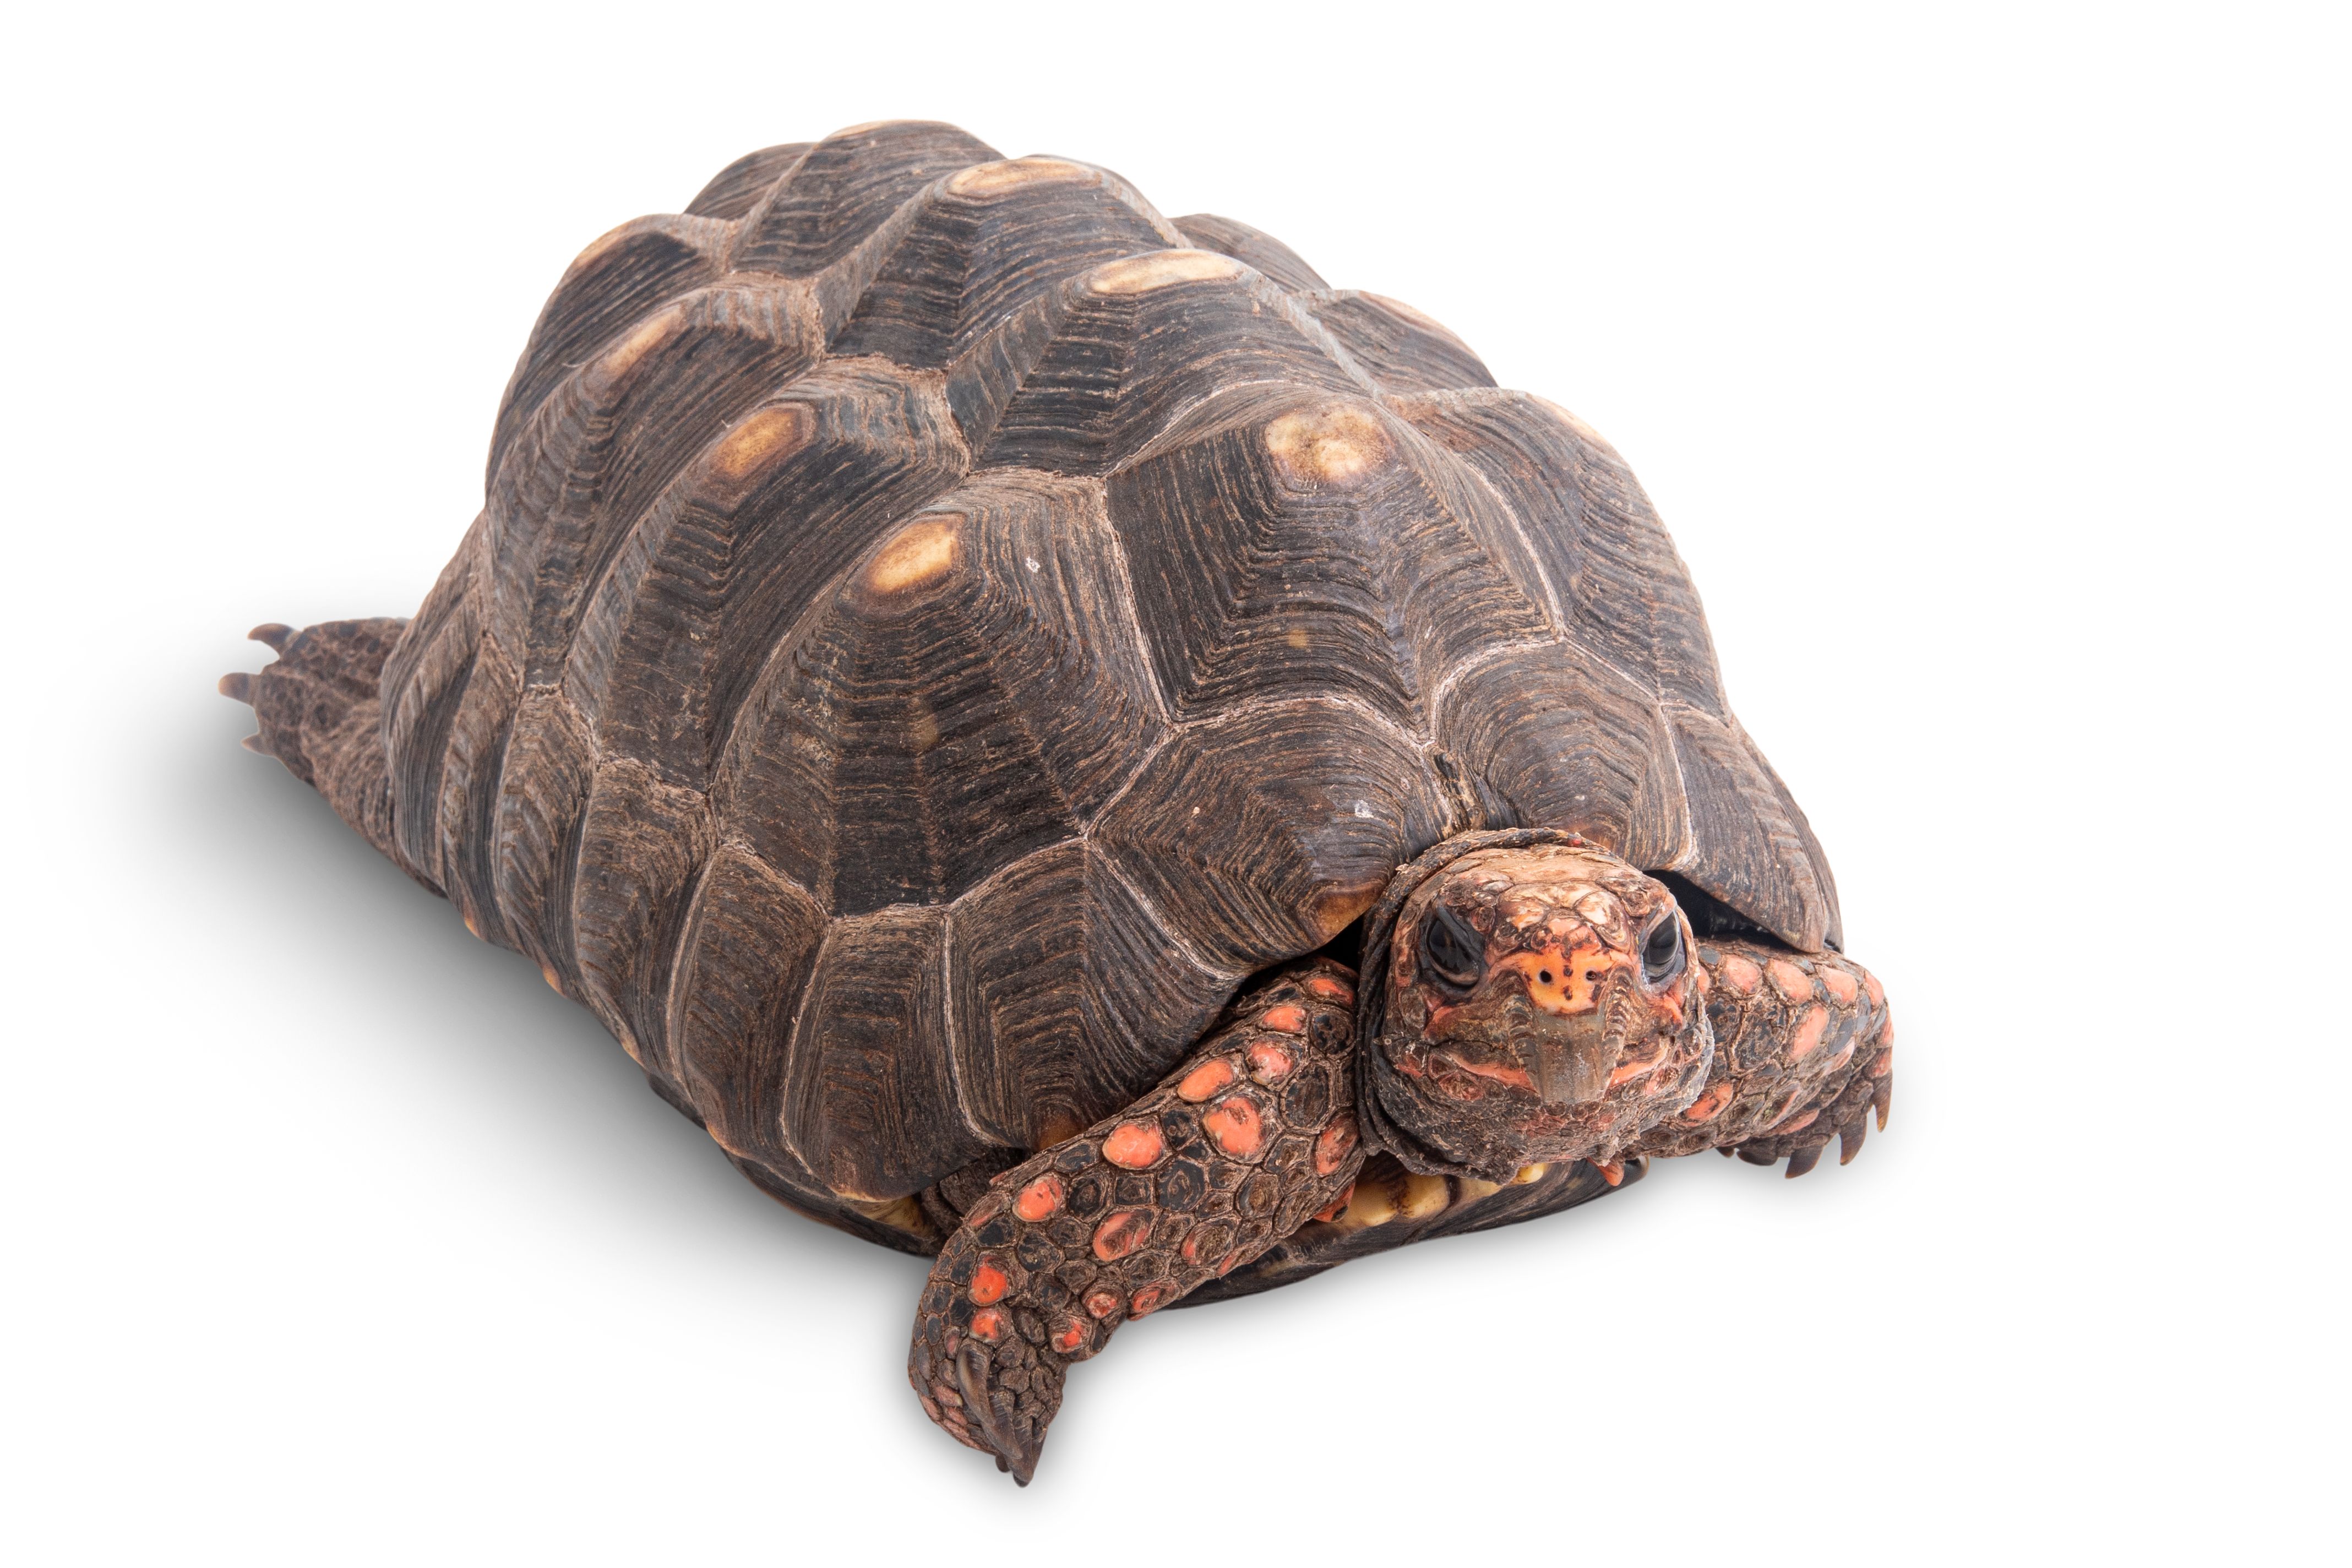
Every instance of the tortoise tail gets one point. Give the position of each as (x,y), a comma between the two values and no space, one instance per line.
(320,715)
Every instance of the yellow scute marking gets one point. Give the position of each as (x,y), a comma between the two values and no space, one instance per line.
(1332,445)
(766,435)
(1141,274)
(1013,173)
(652,332)
(920,553)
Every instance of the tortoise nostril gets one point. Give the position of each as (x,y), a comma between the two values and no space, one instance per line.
(1544,975)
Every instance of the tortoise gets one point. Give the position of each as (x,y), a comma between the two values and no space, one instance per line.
(1072,747)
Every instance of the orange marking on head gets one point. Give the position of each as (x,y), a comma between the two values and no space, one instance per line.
(1071,1336)
(1565,983)
(1225,1264)
(1122,1233)
(1331,988)
(1102,1304)
(1040,1198)
(1334,1144)
(1337,1205)
(1133,1145)
(988,1323)
(1741,975)
(1290,1018)
(1268,1063)
(1611,1170)
(1517,1077)
(1790,981)
(1234,1125)
(1811,1027)
(1206,1079)
(1840,984)
(989,1282)
(1634,1069)
(1709,1105)
(1146,1299)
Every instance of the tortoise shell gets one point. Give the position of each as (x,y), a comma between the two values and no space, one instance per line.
(939,625)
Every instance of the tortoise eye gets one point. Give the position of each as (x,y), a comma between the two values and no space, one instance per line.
(1661,955)
(1450,950)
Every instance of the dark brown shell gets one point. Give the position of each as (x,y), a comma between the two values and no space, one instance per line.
(938,625)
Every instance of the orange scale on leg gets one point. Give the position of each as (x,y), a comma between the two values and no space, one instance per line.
(1810,1030)
(1268,1063)
(1206,1079)
(1234,1125)
(1791,982)
(988,1323)
(1290,1018)
(1147,1300)
(1071,1337)
(989,1282)
(1331,988)
(1132,1145)
(1335,1143)
(1040,1198)
(1102,1304)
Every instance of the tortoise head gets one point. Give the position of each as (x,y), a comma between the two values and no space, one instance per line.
(1540,1003)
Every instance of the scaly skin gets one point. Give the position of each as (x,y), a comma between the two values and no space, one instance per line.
(1803,1049)
(1253,1134)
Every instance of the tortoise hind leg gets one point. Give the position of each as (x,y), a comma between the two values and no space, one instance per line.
(1251,1136)
(320,716)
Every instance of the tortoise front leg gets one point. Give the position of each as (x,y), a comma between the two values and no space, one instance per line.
(1804,1047)
(1252,1136)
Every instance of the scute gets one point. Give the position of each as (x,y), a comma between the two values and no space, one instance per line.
(936,627)
(950,709)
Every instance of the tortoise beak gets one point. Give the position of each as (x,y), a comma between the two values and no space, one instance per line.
(1567,1059)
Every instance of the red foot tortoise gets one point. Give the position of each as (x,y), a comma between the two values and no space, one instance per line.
(1072,746)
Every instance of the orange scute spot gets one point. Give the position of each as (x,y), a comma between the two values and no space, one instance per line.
(1331,988)
(1122,1233)
(1709,1106)
(1791,982)
(1039,1199)
(1564,983)
(1133,1145)
(1290,1018)
(1205,1080)
(1337,1205)
(989,1282)
(1234,1125)
(1102,1304)
(1334,1144)
(1071,1336)
(1268,1063)
(988,1323)
(1741,975)
(1840,984)
(1811,1027)
(1146,1299)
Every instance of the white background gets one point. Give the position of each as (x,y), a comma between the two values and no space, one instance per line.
(1990,366)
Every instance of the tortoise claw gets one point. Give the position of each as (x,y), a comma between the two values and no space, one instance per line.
(1882,1098)
(1849,1137)
(238,686)
(1804,1160)
(253,743)
(277,634)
